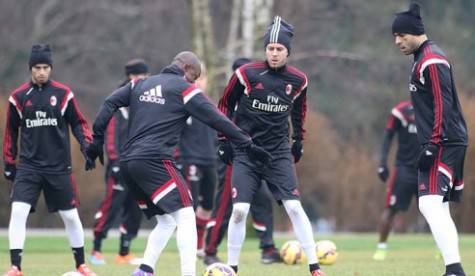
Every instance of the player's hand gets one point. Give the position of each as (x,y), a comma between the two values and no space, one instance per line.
(383,172)
(94,150)
(297,150)
(225,152)
(10,172)
(259,155)
(427,156)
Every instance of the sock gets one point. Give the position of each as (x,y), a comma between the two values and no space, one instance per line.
(78,253)
(237,232)
(146,268)
(382,245)
(313,267)
(186,239)
(124,245)
(302,228)
(97,244)
(454,269)
(200,230)
(158,239)
(442,227)
(269,249)
(15,257)
(17,225)
(73,227)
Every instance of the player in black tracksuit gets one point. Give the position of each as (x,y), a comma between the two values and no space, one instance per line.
(402,185)
(41,113)
(441,131)
(118,201)
(260,97)
(158,108)
(261,211)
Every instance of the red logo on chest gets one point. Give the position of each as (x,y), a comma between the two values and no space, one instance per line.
(288,89)
(53,101)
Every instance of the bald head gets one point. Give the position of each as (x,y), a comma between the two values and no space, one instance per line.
(189,63)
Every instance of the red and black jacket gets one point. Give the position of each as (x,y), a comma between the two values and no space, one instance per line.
(439,116)
(261,99)
(42,116)
(403,123)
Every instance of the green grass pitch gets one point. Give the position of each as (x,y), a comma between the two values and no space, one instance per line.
(407,255)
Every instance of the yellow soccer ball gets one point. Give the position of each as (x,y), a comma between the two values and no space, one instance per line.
(291,252)
(219,269)
(326,252)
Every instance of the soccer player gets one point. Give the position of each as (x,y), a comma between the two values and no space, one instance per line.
(197,150)
(40,112)
(441,131)
(261,96)
(402,184)
(158,108)
(118,200)
(261,211)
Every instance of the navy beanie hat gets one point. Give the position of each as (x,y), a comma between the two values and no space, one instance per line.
(279,32)
(136,66)
(409,22)
(240,62)
(40,53)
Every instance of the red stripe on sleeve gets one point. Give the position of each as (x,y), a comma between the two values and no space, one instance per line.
(110,142)
(223,103)
(85,129)
(7,140)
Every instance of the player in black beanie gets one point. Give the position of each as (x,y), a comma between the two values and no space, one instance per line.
(441,131)
(40,54)
(280,32)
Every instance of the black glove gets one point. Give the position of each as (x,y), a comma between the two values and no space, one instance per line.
(94,150)
(115,169)
(383,172)
(258,155)
(427,156)
(225,152)
(10,172)
(297,150)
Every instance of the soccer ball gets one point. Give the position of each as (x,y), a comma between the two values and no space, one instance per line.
(219,269)
(326,252)
(72,273)
(291,252)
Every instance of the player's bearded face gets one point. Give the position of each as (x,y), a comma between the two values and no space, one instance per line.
(40,73)
(276,55)
(406,43)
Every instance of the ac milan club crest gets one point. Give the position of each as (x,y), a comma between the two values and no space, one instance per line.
(53,101)
(288,89)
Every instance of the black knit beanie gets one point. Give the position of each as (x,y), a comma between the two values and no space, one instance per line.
(240,62)
(136,66)
(40,54)
(279,32)
(409,22)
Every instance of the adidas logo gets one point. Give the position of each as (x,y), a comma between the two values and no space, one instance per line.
(28,103)
(153,95)
(259,86)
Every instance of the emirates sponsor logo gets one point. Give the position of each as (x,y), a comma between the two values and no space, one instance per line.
(272,105)
(41,120)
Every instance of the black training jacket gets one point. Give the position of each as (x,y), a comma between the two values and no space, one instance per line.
(158,109)
(261,99)
(41,116)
